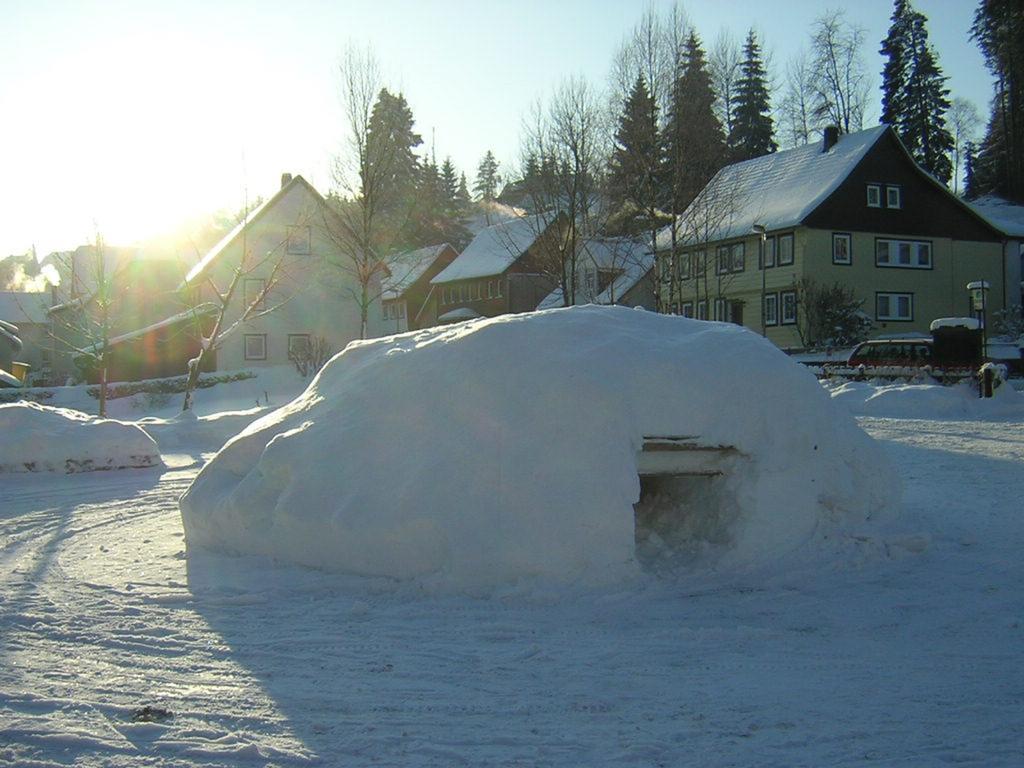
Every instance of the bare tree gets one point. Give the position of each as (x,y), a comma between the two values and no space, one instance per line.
(839,77)
(84,324)
(652,49)
(796,106)
(567,143)
(964,122)
(356,222)
(724,66)
(214,317)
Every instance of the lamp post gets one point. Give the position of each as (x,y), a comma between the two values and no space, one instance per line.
(977,291)
(760,230)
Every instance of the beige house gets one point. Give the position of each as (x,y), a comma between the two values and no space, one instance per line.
(854,210)
(295,279)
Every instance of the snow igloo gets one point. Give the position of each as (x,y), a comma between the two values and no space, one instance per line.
(573,444)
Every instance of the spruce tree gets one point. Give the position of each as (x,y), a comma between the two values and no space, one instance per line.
(693,138)
(970,178)
(449,182)
(914,94)
(635,156)
(752,134)
(999,31)
(487,178)
(462,199)
(391,142)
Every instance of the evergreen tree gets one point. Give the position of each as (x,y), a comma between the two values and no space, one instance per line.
(391,142)
(462,199)
(635,156)
(999,31)
(914,94)
(970,181)
(449,182)
(693,138)
(752,134)
(487,178)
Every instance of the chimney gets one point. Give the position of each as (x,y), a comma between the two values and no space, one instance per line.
(831,137)
(286,179)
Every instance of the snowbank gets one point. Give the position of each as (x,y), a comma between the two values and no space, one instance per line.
(506,448)
(39,438)
(927,401)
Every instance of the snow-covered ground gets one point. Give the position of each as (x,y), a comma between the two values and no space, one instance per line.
(898,646)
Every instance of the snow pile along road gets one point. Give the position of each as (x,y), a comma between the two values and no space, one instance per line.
(38,438)
(927,401)
(506,448)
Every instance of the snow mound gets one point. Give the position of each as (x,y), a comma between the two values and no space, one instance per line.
(507,448)
(927,401)
(40,438)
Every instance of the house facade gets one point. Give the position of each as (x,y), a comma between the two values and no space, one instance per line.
(1008,218)
(505,269)
(854,210)
(616,270)
(295,288)
(27,312)
(407,289)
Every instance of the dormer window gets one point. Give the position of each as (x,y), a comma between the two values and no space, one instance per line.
(893,198)
(874,196)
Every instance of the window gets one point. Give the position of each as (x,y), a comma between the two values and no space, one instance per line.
(253,289)
(738,262)
(300,240)
(298,345)
(401,310)
(785,249)
(894,306)
(720,310)
(702,310)
(842,248)
(490,289)
(722,260)
(463,292)
(903,254)
(771,309)
(686,310)
(893,198)
(255,346)
(769,253)
(686,266)
(497,288)
(788,301)
(874,196)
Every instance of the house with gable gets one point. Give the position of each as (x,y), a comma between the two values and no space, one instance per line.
(406,290)
(852,209)
(1008,218)
(506,268)
(612,270)
(292,282)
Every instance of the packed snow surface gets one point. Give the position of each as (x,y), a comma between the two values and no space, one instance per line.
(507,448)
(39,438)
(927,401)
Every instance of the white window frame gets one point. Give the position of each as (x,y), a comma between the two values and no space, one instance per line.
(771,309)
(893,196)
(768,253)
(254,337)
(892,314)
(842,237)
(915,249)
(702,310)
(685,266)
(686,309)
(792,250)
(784,317)
(294,336)
(721,310)
(874,193)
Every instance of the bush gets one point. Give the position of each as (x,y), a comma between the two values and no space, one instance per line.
(170,386)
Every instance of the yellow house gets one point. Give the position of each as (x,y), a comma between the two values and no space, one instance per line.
(853,210)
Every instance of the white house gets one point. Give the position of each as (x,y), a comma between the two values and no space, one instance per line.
(295,274)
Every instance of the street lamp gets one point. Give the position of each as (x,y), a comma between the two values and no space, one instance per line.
(759,229)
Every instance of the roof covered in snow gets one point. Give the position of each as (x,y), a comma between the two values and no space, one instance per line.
(777,191)
(189,315)
(631,259)
(21,307)
(486,213)
(1005,216)
(495,248)
(254,215)
(408,267)
(459,314)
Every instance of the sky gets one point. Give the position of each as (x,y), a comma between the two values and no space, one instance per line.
(132,118)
